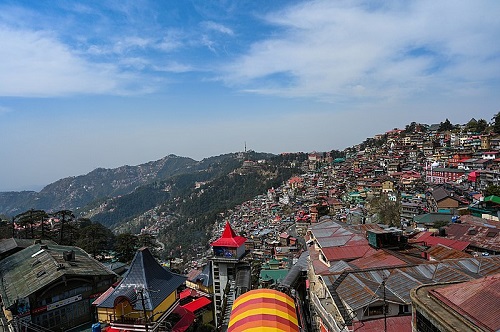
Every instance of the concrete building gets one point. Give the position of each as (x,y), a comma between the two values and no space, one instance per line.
(467,306)
(230,274)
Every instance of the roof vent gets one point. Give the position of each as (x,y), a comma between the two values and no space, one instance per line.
(69,255)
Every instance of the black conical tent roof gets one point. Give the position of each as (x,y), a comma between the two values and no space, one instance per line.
(145,275)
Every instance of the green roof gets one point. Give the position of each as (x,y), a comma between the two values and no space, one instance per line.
(493,199)
(430,218)
(37,266)
(276,275)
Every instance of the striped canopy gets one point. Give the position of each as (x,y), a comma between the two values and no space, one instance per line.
(263,310)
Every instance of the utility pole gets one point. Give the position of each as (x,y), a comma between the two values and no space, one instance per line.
(385,305)
(141,291)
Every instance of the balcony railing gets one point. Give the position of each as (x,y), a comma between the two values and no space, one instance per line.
(142,323)
(325,315)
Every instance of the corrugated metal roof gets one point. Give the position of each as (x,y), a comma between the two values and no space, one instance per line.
(295,271)
(376,258)
(394,324)
(440,252)
(477,300)
(349,252)
(37,266)
(361,288)
(430,240)
(479,236)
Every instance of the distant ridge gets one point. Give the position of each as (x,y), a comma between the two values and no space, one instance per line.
(78,191)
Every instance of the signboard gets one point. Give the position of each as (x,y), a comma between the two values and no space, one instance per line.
(64,302)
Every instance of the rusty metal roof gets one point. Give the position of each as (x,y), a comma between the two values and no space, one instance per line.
(360,288)
(394,324)
(348,252)
(477,300)
(485,237)
(440,252)
(376,258)
(430,240)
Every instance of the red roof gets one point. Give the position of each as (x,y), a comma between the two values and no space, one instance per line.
(376,258)
(477,300)
(185,293)
(197,304)
(430,240)
(229,238)
(345,252)
(394,324)
(187,318)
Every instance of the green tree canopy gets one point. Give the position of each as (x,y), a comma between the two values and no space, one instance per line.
(445,126)
(126,245)
(95,239)
(33,221)
(476,126)
(387,210)
(65,217)
(496,123)
(492,189)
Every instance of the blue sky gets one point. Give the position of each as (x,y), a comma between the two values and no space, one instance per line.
(86,84)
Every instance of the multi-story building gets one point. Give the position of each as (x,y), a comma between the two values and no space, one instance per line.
(437,175)
(51,286)
(230,274)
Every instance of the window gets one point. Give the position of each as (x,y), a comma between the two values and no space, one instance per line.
(404,308)
(425,325)
(376,310)
(472,232)
(491,234)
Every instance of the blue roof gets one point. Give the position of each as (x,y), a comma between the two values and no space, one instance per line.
(206,275)
(146,275)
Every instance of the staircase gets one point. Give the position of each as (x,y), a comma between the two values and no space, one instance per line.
(229,305)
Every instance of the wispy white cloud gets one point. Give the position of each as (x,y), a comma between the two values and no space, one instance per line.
(172,39)
(36,63)
(217,27)
(345,49)
(174,67)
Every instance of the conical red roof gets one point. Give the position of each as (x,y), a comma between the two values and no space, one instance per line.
(229,238)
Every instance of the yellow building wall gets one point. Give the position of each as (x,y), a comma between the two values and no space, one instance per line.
(165,305)
(207,316)
(123,308)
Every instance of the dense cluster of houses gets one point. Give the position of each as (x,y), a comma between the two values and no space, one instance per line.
(316,242)
(448,231)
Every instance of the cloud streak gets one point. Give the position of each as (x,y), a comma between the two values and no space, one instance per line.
(336,50)
(34,63)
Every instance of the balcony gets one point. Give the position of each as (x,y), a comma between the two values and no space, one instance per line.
(324,308)
(142,323)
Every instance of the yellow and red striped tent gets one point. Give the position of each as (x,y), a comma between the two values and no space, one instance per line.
(265,310)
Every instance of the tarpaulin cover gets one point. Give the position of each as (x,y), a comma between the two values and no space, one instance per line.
(263,310)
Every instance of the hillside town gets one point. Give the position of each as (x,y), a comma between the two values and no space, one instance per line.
(398,234)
